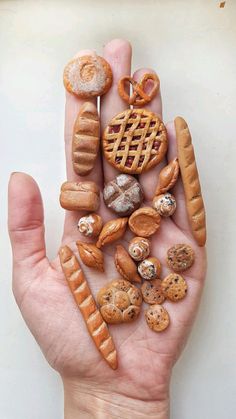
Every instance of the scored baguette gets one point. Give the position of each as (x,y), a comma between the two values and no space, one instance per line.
(85,143)
(79,287)
(191,183)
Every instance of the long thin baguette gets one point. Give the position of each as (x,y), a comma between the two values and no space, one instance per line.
(192,188)
(82,294)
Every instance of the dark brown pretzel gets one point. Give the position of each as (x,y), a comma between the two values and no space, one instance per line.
(139,97)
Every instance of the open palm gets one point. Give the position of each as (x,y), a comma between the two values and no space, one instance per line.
(145,358)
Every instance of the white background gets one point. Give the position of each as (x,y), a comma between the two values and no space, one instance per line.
(191,44)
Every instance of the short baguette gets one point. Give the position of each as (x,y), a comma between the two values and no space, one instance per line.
(85,144)
(192,188)
(82,294)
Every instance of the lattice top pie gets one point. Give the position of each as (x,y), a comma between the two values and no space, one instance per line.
(134,141)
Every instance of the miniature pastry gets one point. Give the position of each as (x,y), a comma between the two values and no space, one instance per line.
(180,257)
(90,255)
(139,96)
(150,268)
(157,318)
(120,301)
(113,230)
(152,292)
(90,225)
(125,265)
(135,141)
(88,76)
(81,292)
(164,204)
(123,195)
(139,248)
(85,142)
(174,287)
(144,222)
(168,177)
(191,183)
(76,196)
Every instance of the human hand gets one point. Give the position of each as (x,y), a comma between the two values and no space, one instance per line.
(140,385)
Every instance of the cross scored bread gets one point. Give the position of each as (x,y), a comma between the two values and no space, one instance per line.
(134,141)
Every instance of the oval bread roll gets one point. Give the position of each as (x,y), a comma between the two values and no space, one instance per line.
(85,143)
(191,183)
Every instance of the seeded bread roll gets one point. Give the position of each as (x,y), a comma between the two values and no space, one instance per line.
(192,188)
(85,144)
(78,285)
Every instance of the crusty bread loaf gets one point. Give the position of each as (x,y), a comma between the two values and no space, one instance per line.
(87,305)
(85,143)
(80,196)
(192,188)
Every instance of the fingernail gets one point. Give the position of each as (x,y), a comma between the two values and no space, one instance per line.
(14,173)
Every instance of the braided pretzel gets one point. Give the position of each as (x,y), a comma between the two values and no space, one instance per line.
(134,141)
(139,97)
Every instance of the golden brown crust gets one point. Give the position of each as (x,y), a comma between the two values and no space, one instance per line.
(120,301)
(192,188)
(168,177)
(150,268)
(90,255)
(139,248)
(144,222)
(152,292)
(174,287)
(85,142)
(76,196)
(113,230)
(80,289)
(90,225)
(139,96)
(157,317)
(87,76)
(164,204)
(125,265)
(180,257)
(134,141)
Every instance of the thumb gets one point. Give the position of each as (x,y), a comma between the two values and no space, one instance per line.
(26,225)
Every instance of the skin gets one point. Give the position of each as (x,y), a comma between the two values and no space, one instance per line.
(140,385)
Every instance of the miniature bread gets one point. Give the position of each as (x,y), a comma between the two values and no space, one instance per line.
(113,230)
(150,268)
(90,225)
(192,188)
(87,305)
(85,143)
(180,257)
(80,196)
(139,248)
(139,96)
(120,301)
(125,265)
(152,292)
(123,195)
(87,76)
(157,317)
(90,255)
(164,204)
(134,141)
(144,222)
(174,287)
(168,177)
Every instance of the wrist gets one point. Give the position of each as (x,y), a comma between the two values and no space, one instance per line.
(89,401)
